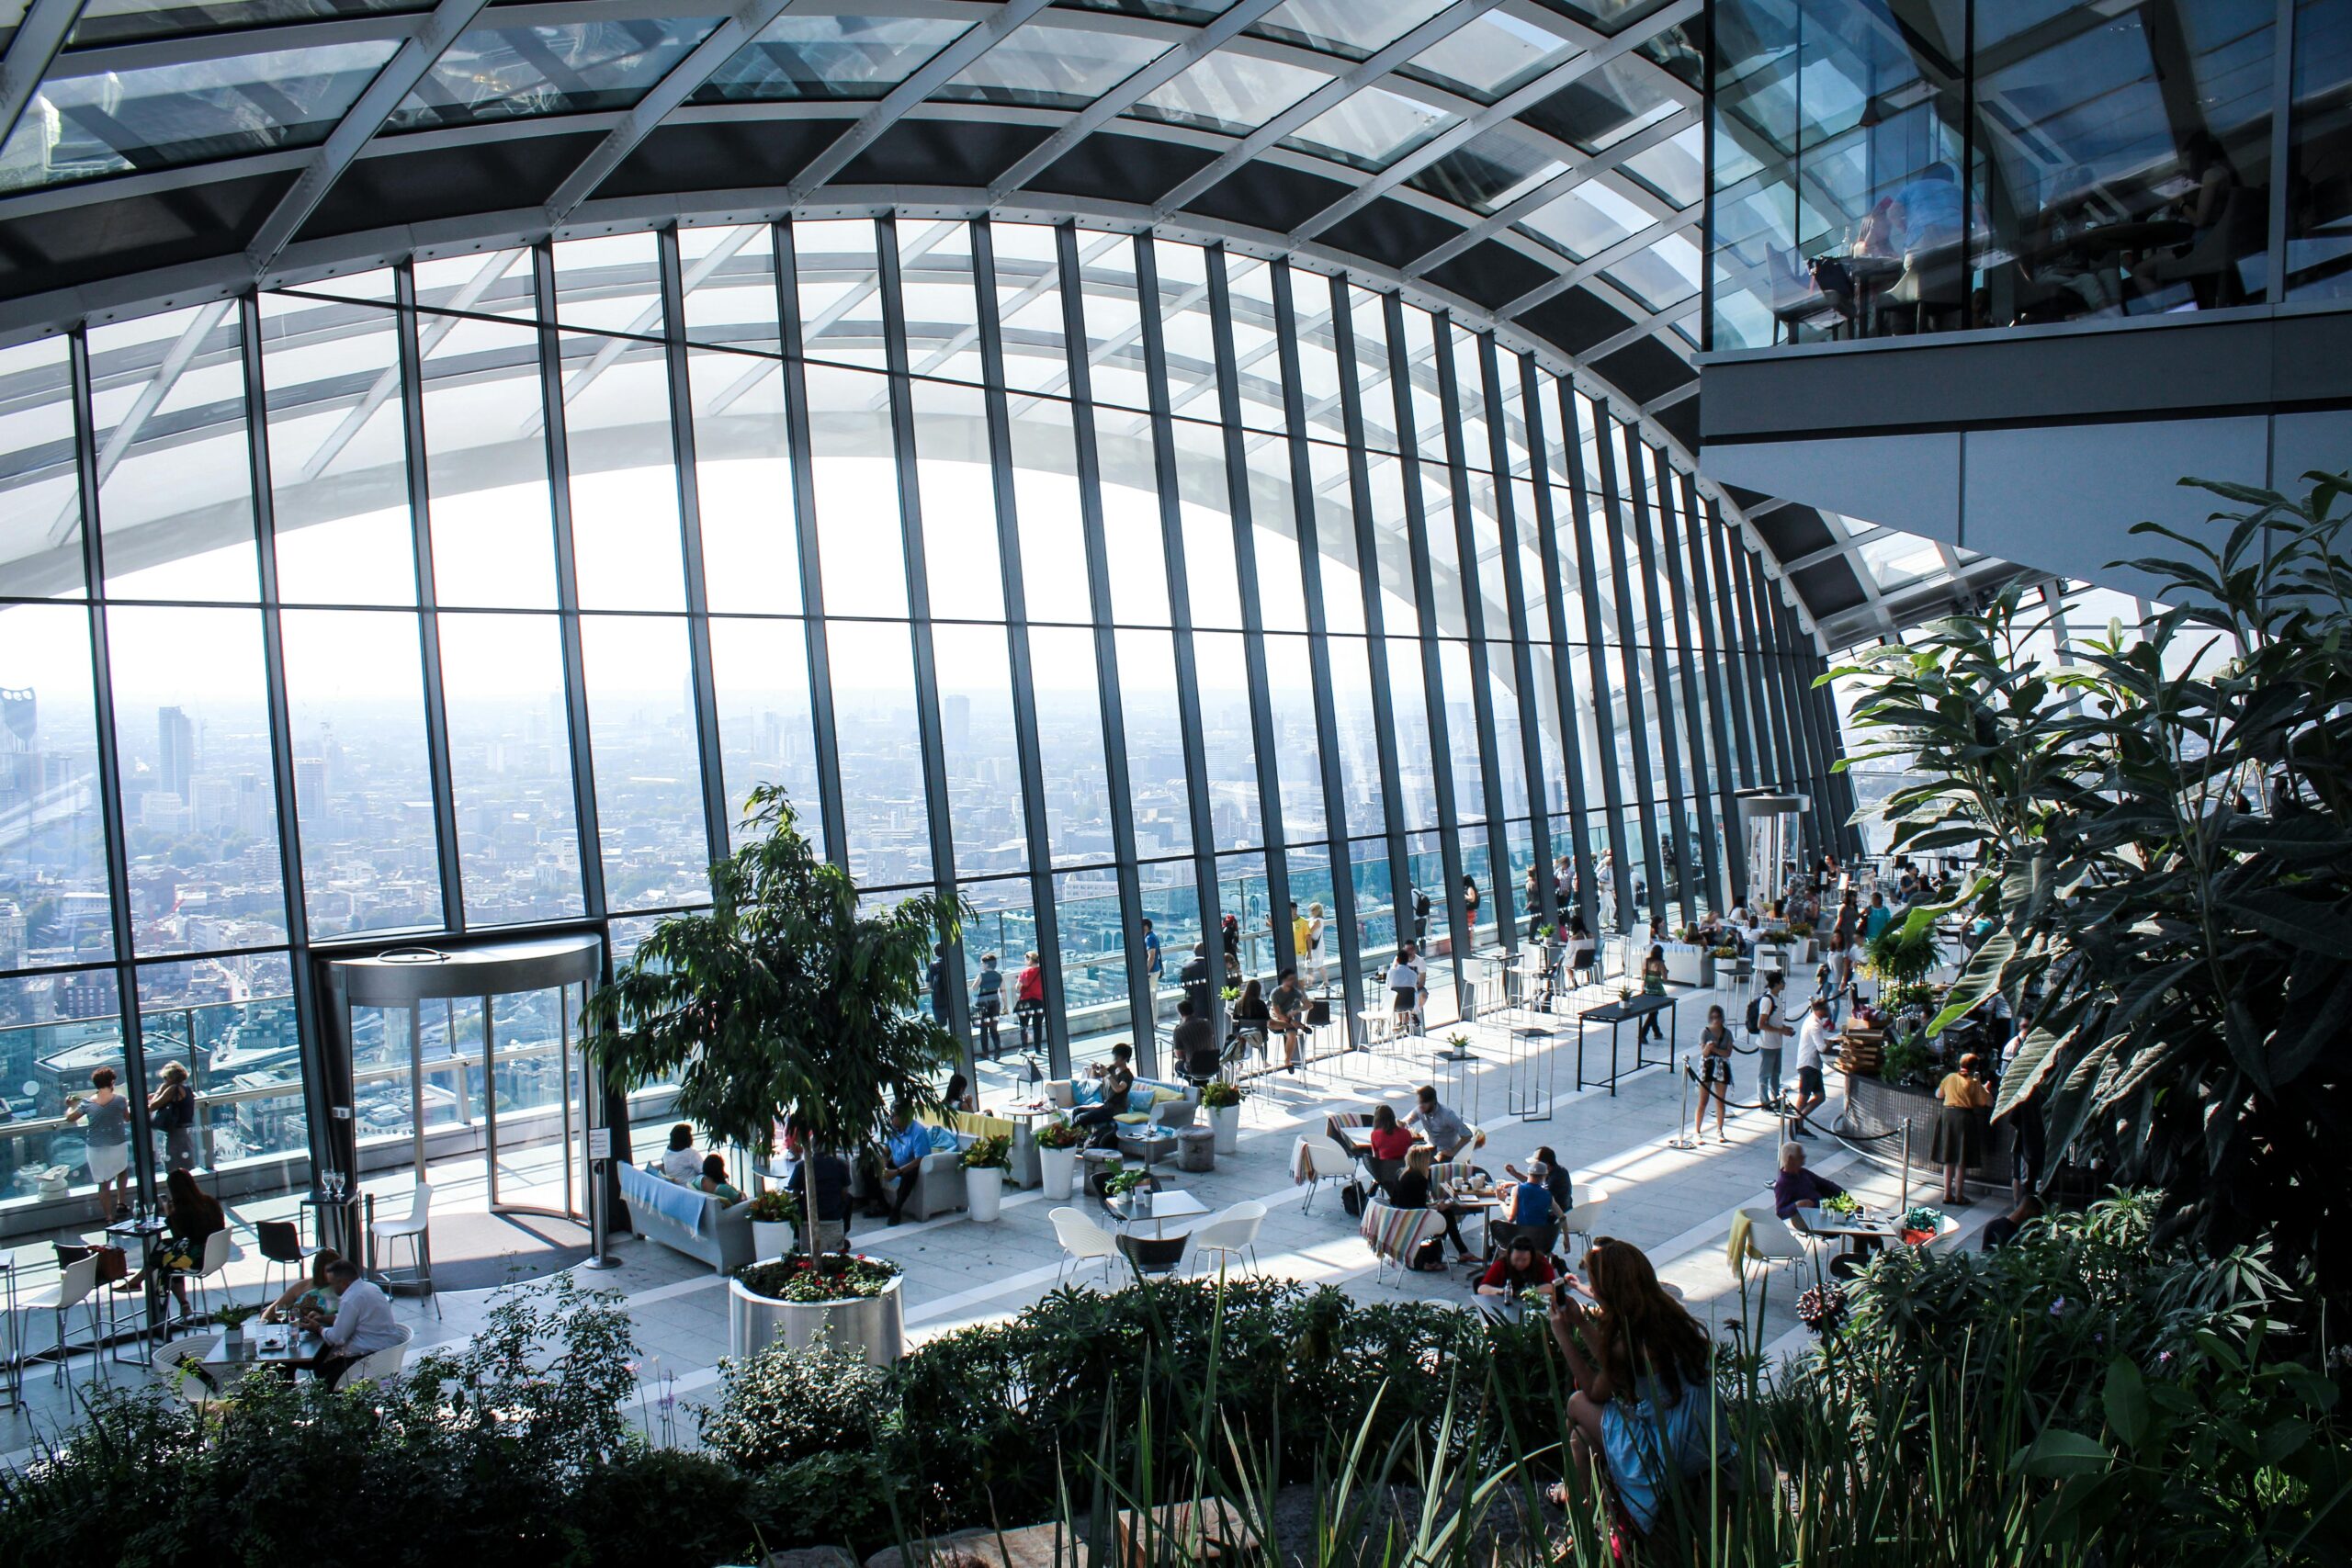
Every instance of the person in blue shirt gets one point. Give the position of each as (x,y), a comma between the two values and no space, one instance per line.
(1152,965)
(1878,919)
(904,1151)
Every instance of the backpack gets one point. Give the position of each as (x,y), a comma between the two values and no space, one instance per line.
(1755,1023)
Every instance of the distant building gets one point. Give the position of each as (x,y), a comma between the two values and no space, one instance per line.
(175,750)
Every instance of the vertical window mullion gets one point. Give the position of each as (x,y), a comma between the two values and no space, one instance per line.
(1613,788)
(824,740)
(1531,740)
(567,584)
(1610,432)
(1556,610)
(1702,776)
(436,711)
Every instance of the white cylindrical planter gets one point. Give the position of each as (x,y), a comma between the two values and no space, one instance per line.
(1225,1121)
(874,1326)
(771,1239)
(1058,1169)
(984,1193)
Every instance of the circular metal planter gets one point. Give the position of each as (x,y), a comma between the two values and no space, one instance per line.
(875,1326)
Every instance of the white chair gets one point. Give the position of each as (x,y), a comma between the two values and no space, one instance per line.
(415,1228)
(379,1366)
(1776,1243)
(177,1364)
(1083,1242)
(1322,1160)
(1584,1220)
(219,1248)
(77,1286)
(1231,1234)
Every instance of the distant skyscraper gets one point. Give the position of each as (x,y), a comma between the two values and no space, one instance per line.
(310,781)
(175,750)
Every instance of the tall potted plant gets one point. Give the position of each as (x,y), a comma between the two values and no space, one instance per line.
(784,994)
(1058,1145)
(985,1163)
(1224,1102)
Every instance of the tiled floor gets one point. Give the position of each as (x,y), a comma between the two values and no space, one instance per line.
(1676,1202)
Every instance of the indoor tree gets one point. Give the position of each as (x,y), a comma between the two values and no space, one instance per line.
(2166,865)
(784,995)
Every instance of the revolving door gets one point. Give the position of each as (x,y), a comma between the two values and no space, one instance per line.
(450,1057)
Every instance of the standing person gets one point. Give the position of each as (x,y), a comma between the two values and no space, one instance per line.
(106,1141)
(1470,904)
(363,1323)
(171,1111)
(1420,914)
(1154,962)
(1301,935)
(1447,1132)
(1405,984)
(987,1005)
(1029,1002)
(1958,1143)
(1876,918)
(1643,1411)
(1771,1032)
(1312,959)
(1813,1043)
(936,982)
(1194,978)
(1286,1015)
(1652,985)
(1715,1074)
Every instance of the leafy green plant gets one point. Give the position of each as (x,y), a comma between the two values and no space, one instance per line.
(833,1277)
(1061,1135)
(991,1152)
(1119,1183)
(786,994)
(791,1404)
(1218,1094)
(2166,859)
(1903,956)
(236,1315)
(1904,1060)
(775,1207)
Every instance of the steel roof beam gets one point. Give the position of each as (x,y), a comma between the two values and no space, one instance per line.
(1156,73)
(1366,72)
(724,42)
(1648,326)
(1600,261)
(926,79)
(39,35)
(1495,114)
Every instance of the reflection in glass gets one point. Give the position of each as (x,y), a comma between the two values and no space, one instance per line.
(1227,91)
(569,68)
(55,1031)
(1047,64)
(828,56)
(167,399)
(338,458)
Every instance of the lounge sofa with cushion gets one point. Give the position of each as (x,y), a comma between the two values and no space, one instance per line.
(684,1219)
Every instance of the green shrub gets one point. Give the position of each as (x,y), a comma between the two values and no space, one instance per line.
(786,1404)
(661,1508)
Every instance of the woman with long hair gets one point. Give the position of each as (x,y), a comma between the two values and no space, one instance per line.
(192,1214)
(1644,1413)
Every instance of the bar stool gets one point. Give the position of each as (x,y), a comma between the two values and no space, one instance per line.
(77,1286)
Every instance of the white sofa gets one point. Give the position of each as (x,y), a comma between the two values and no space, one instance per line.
(718,1233)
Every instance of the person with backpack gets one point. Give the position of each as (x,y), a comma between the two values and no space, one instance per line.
(1769,1033)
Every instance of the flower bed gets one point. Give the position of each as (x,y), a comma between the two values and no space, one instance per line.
(836,1279)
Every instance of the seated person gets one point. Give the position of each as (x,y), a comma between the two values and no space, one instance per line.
(1286,1016)
(1529,1200)
(829,1174)
(714,1181)
(313,1296)
(904,1150)
(1387,1139)
(362,1324)
(1118,1081)
(1411,1190)
(1518,1268)
(1194,1042)
(1447,1132)
(2003,1231)
(680,1163)
(1250,1015)
(1796,1188)
(960,1095)
(1555,1178)
(193,1216)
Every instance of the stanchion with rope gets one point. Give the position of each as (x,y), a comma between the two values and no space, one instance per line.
(1906,1165)
(1682,1140)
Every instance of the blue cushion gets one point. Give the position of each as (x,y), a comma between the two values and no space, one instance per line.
(1086,1091)
(943,1141)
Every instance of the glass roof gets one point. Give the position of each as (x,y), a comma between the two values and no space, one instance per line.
(1306,109)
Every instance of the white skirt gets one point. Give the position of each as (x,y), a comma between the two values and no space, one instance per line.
(108,1161)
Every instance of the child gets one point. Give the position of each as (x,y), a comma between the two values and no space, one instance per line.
(988,1002)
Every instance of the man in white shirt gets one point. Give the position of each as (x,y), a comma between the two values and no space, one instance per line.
(1813,1042)
(1770,1037)
(363,1322)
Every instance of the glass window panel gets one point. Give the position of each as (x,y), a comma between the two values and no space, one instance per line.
(510,763)
(751,547)
(1542,660)
(1675,168)
(41,496)
(199,804)
(1282,599)
(1227,740)
(841,294)
(1187,337)
(936,295)
(1408,708)
(765,733)
(984,795)
(1050,64)
(1335,541)
(881,759)
(159,116)
(337,453)
(55,1031)
(1114,321)
(1053,545)
(1372,128)
(1029,308)
(52,860)
(1492,170)
(1095,961)
(1605,106)
(229,1022)
(122,21)
(1069,732)
(622,457)
(828,56)
(1357,736)
(2319,151)
(1158,795)
(856,477)
(1243,896)
(1228,91)
(1586,221)
(649,775)
(1510,754)
(486,464)
(1134,547)
(1666,273)
(1369,869)
(1386,481)
(496,283)
(1490,55)
(1209,577)
(728,274)
(1351,27)
(363,789)
(1462,731)
(1298,756)
(567,68)
(167,397)
(610,282)
(959,523)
